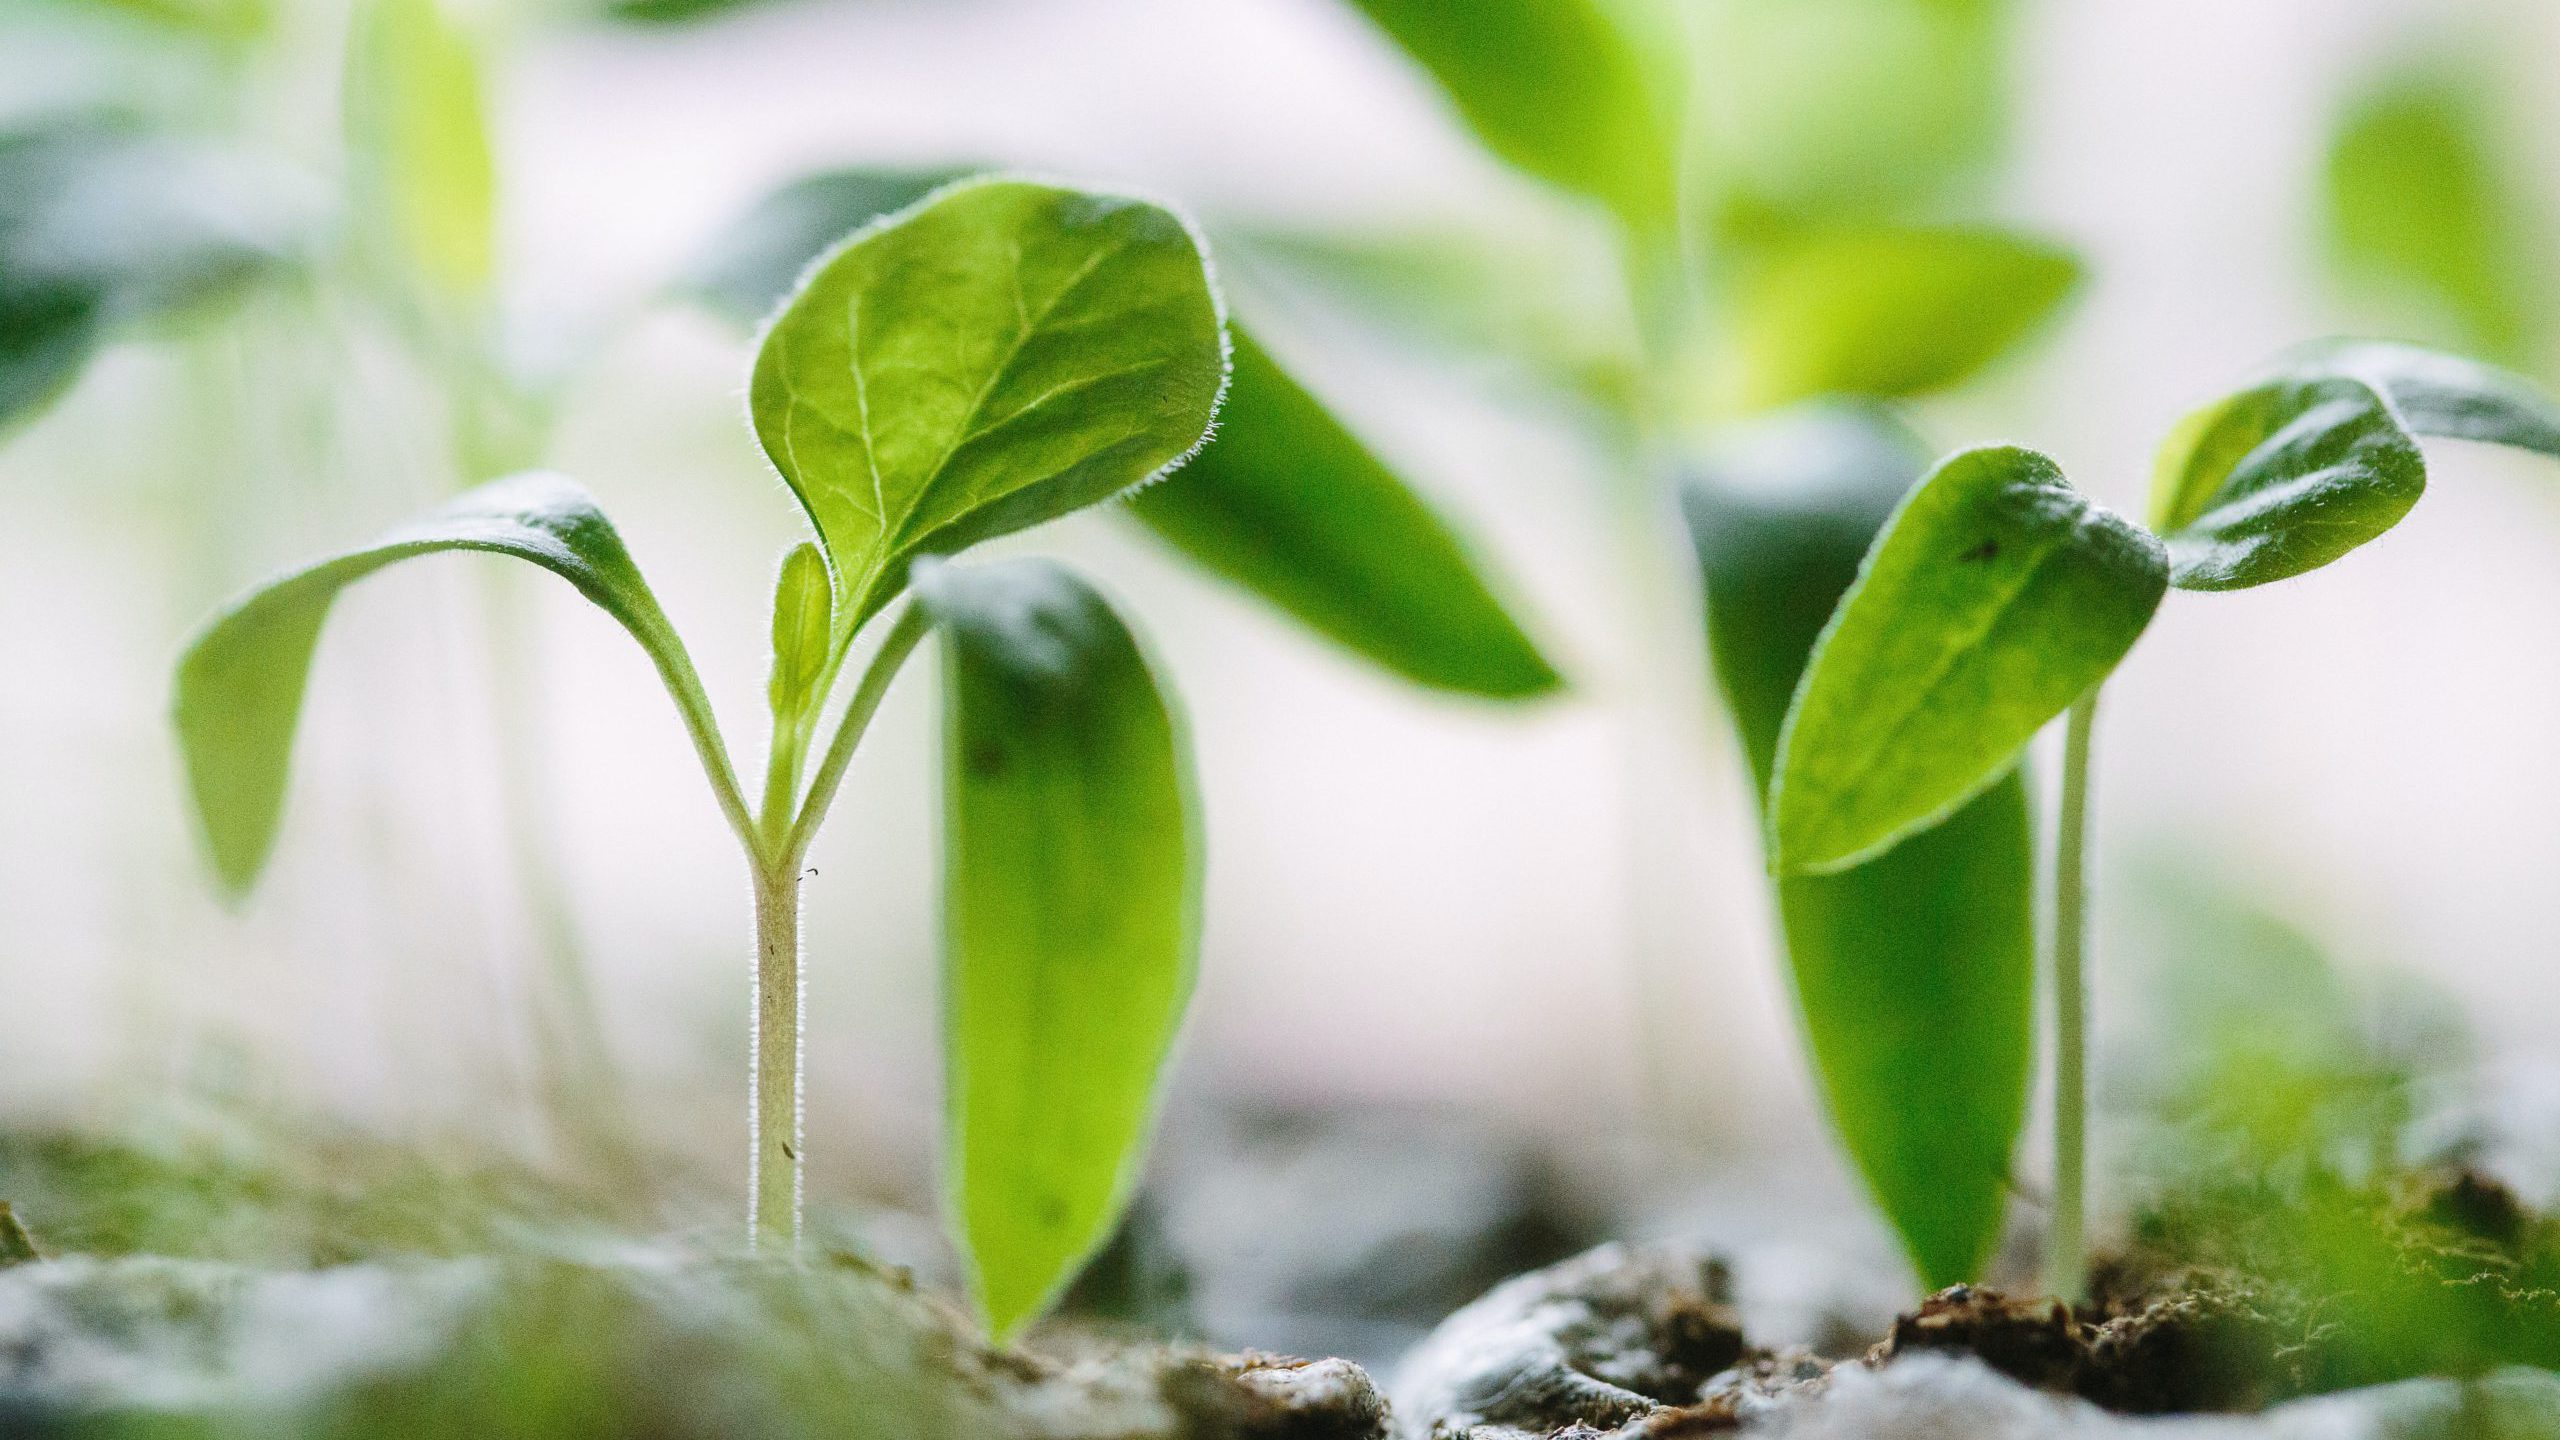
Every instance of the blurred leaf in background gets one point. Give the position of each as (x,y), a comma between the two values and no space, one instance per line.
(1839,110)
(1567,90)
(105,227)
(1915,972)
(1289,504)
(1284,500)
(420,152)
(758,258)
(2426,212)
(1882,311)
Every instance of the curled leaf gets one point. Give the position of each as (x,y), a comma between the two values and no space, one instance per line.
(2282,479)
(240,682)
(1996,597)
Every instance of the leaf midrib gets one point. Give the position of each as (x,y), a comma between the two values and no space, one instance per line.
(891,538)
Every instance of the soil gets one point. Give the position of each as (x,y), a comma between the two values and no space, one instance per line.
(2430,1274)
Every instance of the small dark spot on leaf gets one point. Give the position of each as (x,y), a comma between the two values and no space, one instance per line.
(987,759)
(1989,549)
(790,1151)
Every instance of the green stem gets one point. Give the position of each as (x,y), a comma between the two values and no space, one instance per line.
(776,845)
(895,647)
(2066,1254)
(776,1055)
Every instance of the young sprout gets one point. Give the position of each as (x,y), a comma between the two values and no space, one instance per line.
(1002,353)
(1998,597)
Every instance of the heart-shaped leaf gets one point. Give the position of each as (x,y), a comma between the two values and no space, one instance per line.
(1996,597)
(1884,311)
(241,680)
(1561,88)
(2282,479)
(1914,972)
(1072,883)
(1288,503)
(1002,354)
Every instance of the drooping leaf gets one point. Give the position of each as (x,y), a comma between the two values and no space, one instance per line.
(2280,479)
(418,130)
(105,228)
(756,260)
(1288,503)
(2423,207)
(2441,395)
(1884,311)
(1560,88)
(240,682)
(1072,881)
(1996,597)
(1001,355)
(1914,973)
(803,630)
(1823,112)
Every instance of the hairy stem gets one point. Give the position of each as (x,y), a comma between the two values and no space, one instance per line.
(2066,1253)
(776,1052)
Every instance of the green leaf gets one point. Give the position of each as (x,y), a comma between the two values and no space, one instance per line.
(418,130)
(1289,504)
(1996,597)
(1003,354)
(2442,395)
(803,630)
(2281,479)
(1560,88)
(1072,880)
(1915,972)
(756,261)
(2422,207)
(104,229)
(1830,111)
(1886,311)
(241,680)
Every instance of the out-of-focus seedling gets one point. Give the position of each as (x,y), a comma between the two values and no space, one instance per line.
(1999,597)
(1000,354)
(1774,180)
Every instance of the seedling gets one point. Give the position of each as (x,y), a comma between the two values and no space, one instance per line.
(1002,353)
(1999,597)
(1777,202)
